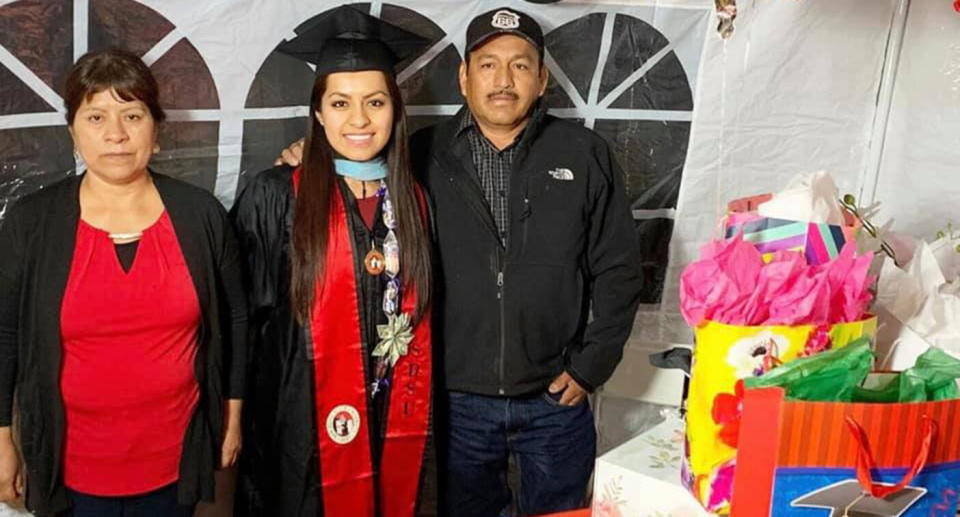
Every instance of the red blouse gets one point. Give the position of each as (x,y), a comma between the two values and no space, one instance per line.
(128,383)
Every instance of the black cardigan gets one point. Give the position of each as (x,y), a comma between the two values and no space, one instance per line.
(37,239)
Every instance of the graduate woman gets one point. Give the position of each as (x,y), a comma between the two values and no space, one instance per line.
(338,258)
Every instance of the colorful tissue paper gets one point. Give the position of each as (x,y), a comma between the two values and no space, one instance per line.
(811,197)
(922,302)
(732,284)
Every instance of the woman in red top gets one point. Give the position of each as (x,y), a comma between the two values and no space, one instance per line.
(123,399)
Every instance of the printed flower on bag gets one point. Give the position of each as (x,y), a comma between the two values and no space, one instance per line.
(819,341)
(721,487)
(753,356)
(604,508)
(608,503)
(726,413)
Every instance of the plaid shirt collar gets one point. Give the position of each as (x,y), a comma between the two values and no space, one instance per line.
(466,121)
(467,124)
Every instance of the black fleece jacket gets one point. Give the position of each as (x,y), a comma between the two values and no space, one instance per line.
(563,294)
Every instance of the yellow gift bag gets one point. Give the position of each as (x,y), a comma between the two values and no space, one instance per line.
(723,355)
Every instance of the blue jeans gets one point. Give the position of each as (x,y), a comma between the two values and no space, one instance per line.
(159,503)
(554,448)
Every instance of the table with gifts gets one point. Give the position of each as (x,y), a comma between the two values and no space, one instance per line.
(786,413)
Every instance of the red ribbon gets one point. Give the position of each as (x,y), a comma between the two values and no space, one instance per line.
(347,475)
(346,469)
(865,462)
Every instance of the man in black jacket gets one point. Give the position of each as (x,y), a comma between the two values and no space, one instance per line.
(538,275)
(533,234)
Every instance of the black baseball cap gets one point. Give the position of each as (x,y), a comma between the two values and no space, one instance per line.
(504,20)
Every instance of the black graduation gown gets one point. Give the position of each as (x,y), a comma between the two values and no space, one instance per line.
(278,472)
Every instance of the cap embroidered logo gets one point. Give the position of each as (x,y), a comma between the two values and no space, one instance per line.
(505,20)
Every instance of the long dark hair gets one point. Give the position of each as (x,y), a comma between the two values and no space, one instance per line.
(311,215)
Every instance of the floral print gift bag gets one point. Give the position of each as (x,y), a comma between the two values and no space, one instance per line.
(723,356)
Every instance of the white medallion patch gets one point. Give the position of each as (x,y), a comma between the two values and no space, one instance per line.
(504,19)
(343,424)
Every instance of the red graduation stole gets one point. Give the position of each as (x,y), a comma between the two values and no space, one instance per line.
(346,470)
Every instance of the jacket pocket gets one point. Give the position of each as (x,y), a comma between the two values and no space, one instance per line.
(544,316)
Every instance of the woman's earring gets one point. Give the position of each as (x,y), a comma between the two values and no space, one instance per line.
(156,148)
(78,160)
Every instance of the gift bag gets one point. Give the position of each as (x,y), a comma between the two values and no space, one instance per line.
(860,459)
(723,356)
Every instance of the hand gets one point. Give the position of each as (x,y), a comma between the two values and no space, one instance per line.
(11,478)
(232,434)
(291,155)
(573,394)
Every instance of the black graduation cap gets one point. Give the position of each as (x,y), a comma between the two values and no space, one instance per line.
(847,498)
(348,40)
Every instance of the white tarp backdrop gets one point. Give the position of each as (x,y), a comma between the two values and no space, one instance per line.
(234,102)
(868,90)
(919,175)
(627,69)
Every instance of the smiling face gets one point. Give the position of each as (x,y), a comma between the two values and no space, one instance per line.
(356,112)
(502,80)
(116,138)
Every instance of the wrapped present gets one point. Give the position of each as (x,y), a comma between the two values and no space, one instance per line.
(748,204)
(724,355)
(806,216)
(819,242)
(835,458)
(642,476)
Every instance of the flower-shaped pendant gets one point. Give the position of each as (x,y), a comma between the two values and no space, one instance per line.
(395,336)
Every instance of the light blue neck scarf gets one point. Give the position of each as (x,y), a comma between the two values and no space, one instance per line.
(371,170)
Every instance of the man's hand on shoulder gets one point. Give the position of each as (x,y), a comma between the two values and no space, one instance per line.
(292,155)
(573,393)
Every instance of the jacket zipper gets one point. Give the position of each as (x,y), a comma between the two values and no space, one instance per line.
(503,334)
